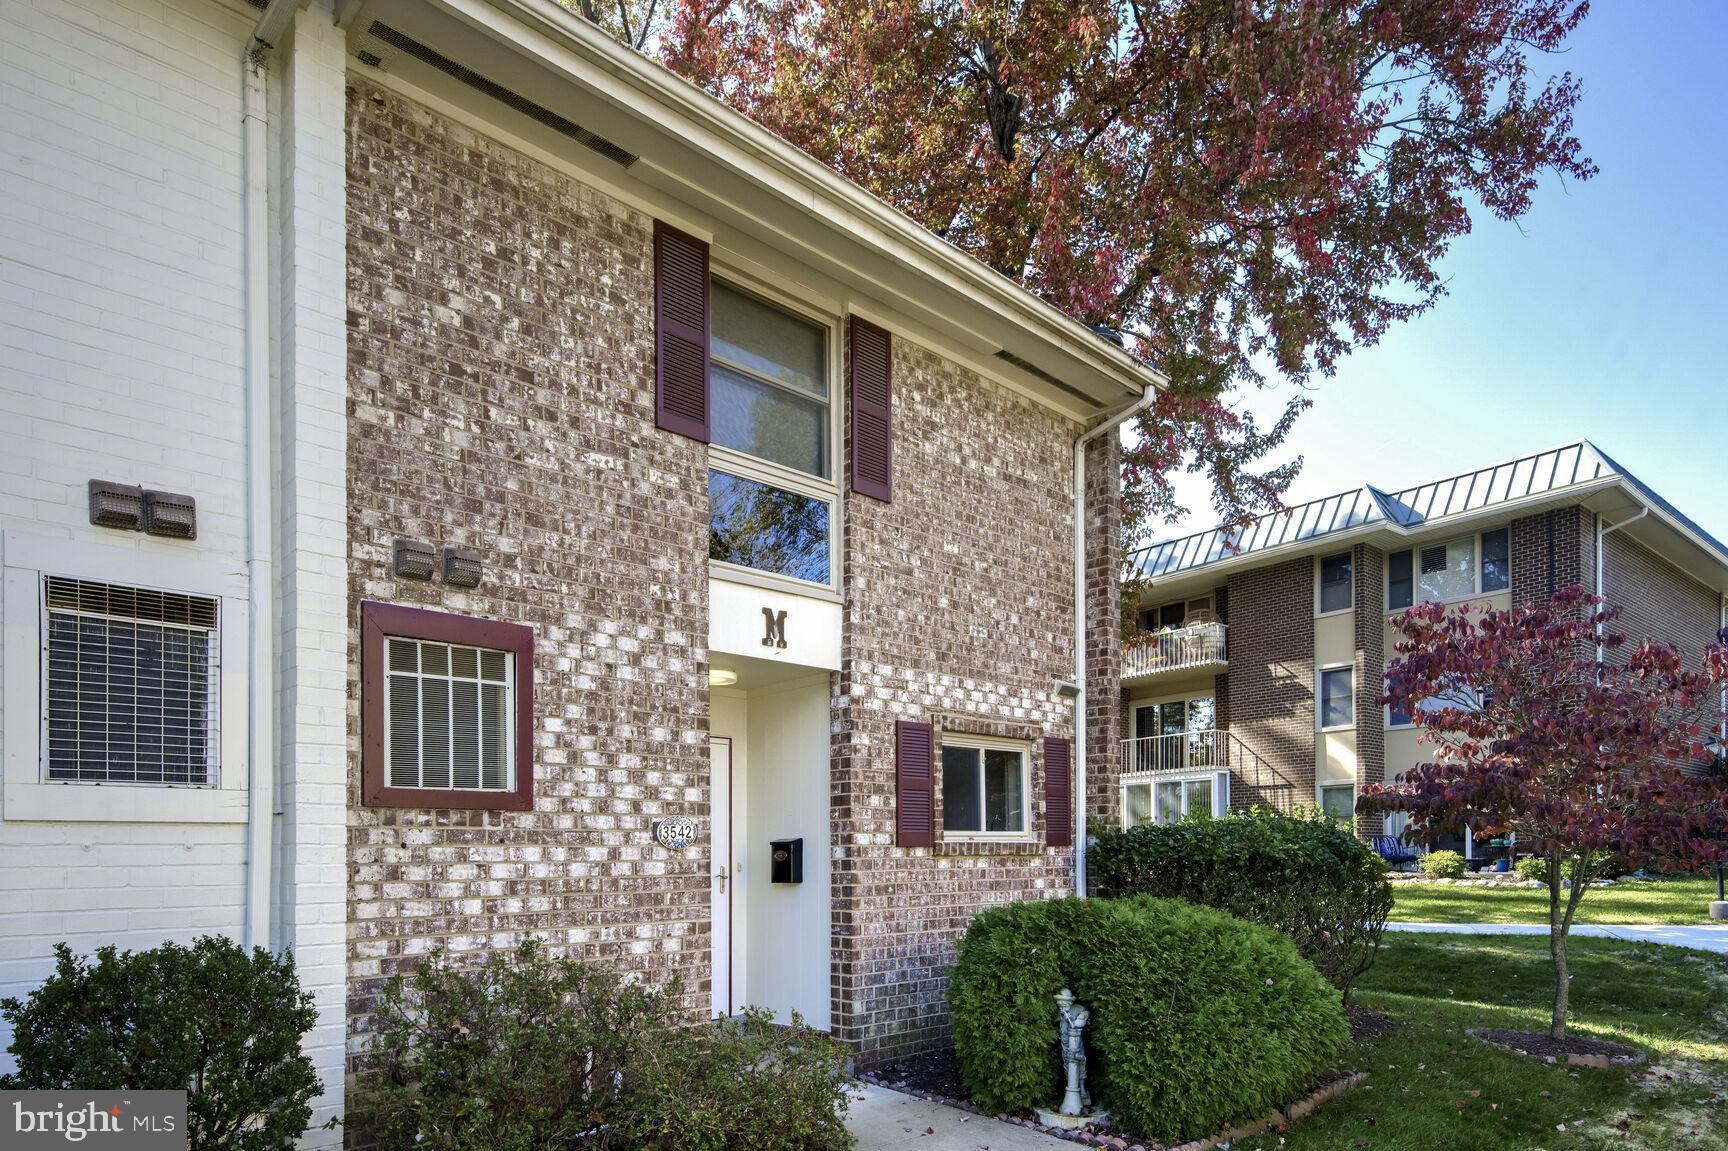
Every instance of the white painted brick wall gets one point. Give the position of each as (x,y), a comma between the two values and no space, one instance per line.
(120,341)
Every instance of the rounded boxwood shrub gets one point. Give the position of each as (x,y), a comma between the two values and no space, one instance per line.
(1302,874)
(1445,865)
(1532,868)
(213,1020)
(1198,1019)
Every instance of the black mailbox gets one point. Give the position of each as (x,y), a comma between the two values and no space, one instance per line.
(786,861)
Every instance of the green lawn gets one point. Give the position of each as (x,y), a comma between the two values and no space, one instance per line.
(1631,901)
(1431,1087)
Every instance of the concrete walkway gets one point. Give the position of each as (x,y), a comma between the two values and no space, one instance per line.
(883,1119)
(1705,937)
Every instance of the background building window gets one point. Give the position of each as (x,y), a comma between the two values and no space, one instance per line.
(1400,581)
(1496,560)
(1335,583)
(1337,697)
(1173,800)
(983,790)
(1338,801)
(1447,571)
(130,681)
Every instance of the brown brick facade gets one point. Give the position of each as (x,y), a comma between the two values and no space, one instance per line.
(1103,627)
(959,611)
(1659,601)
(1271,684)
(1368,592)
(501,399)
(1552,550)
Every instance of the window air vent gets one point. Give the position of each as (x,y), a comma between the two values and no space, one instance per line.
(1434,560)
(1032,369)
(503,95)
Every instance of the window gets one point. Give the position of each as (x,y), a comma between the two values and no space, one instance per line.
(1461,696)
(1449,571)
(1173,800)
(984,789)
(445,710)
(771,489)
(1338,801)
(1335,583)
(1337,697)
(1496,560)
(130,684)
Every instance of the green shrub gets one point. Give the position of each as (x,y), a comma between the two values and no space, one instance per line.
(526,1052)
(1532,868)
(1443,865)
(210,1019)
(1198,1019)
(1300,874)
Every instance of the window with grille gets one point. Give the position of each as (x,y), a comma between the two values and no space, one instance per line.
(447,716)
(130,679)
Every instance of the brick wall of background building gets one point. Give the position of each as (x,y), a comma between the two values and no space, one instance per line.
(1271,682)
(1368,591)
(501,398)
(1659,601)
(959,611)
(1552,550)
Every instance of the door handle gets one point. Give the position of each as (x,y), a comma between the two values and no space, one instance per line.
(721,876)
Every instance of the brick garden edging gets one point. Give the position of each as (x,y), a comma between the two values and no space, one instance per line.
(1280,1117)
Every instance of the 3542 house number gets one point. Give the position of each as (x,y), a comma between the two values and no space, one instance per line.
(675,833)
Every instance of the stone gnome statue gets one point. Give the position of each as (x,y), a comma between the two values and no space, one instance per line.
(1073,1043)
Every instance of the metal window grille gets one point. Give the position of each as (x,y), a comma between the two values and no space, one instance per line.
(447,716)
(130,684)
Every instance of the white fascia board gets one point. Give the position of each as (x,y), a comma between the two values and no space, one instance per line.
(924,272)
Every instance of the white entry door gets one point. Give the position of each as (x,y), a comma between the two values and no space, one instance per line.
(721,881)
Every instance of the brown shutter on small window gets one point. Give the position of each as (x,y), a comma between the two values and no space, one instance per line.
(1058,793)
(680,333)
(871,385)
(914,817)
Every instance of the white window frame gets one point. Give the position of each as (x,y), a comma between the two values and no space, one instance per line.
(748,467)
(1415,550)
(509,705)
(1319,573)
(1320,697)
(1323,786)
(981,744)
(27,793)
(1218,778)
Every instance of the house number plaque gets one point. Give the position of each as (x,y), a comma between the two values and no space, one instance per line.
(675,833)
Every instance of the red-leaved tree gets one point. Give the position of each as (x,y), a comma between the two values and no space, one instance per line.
(1247,188)
(1534,737)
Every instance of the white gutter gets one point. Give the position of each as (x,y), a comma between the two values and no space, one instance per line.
(1110,424)
(1600,533)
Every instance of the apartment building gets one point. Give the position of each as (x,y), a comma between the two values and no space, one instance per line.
(462,482)
(1262,650)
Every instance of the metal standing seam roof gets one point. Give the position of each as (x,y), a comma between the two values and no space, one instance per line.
(1553,470)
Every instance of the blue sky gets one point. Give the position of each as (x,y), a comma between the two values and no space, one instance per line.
(1601,315)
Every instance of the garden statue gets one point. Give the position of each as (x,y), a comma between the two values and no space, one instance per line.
(1073,1045)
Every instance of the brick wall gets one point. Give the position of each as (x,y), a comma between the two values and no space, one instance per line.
(1368,591)
(500,397)
(958,611)
(1659,601)
(1271,684)
(1104,711)
(1552,550)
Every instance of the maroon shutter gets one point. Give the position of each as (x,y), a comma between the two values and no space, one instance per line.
(871,384)
(1058,793)
(914,819)
(680,333)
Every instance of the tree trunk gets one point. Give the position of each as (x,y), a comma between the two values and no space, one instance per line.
(1557,929)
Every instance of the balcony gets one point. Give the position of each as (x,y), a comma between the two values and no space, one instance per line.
(1173,776)
(1197,647)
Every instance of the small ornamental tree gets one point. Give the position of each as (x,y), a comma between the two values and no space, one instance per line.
(1537,737)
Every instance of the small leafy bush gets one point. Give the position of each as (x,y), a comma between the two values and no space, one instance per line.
(527,1051)
(1198,1019)
(1444,865)
(1532,868)
(1301,874)
(210,1019)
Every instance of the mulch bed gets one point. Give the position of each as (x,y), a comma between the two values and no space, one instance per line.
(935,1075)
(1572,1049)
(1366,1024)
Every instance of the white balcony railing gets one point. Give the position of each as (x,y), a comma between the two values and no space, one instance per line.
(1180,751)
(1198,645)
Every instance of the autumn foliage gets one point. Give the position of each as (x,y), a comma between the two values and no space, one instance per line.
(1534,736)
(1247,189)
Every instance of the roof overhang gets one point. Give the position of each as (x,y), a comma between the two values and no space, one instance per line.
(721,175)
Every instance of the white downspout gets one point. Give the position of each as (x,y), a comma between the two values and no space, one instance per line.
(1110,424)
(1600,533)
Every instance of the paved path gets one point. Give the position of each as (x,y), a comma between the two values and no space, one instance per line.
(884,1119)
(1705,937)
